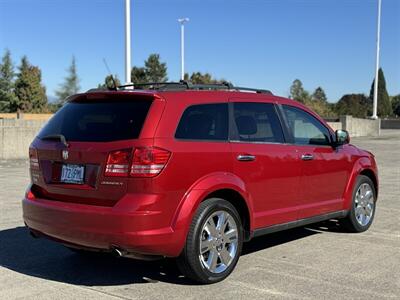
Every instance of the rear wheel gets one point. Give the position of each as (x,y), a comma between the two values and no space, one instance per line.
(214,242)
(362,210)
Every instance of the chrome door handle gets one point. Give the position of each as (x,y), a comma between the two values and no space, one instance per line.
(245,157)
(307,157)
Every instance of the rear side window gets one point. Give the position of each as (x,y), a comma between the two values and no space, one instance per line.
(98,121)
(204,122)
(257,122)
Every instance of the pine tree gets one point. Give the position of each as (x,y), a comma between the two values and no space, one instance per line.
(156,71)
(202,78)
(298,93)
(108,82)
(70,85)
(396,105)
(317,101)
(138,75)
(29,91)
(153,71)
(319,95)
(384,106)
(7,74)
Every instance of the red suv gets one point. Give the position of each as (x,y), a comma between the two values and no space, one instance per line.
(191,171)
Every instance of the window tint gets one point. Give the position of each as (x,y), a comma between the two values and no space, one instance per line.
(257,122)
(305,128)
(98,121)
(204,122)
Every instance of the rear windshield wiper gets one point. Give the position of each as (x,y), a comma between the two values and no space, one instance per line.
(59,137)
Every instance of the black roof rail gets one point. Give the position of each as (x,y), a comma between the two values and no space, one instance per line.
(97,90)
(151,85)
(187,85)
(258,91)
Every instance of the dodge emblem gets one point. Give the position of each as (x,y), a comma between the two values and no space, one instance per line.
(65,154)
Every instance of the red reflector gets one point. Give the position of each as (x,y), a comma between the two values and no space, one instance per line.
(118,163)
(149,161)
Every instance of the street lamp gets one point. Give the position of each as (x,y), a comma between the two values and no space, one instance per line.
(182,21)
(128,41)
(378,36)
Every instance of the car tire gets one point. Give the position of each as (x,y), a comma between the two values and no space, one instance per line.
(363,206)
(214,242)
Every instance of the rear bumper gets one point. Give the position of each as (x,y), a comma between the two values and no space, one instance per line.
(103,228)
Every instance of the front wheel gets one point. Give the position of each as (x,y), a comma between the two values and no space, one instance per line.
(363,207)
(214,242)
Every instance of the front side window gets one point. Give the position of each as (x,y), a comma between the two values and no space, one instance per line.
(305,128)
(257,122)
(204,122)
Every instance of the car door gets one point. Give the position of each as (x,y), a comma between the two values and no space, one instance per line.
(325,169)
(268,165)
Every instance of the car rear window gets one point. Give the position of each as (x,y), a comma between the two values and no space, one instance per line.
(204,122)
(98,120)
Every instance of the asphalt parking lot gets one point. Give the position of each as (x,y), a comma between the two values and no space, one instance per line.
(318,261)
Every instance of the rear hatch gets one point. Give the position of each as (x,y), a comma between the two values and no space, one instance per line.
(83,153)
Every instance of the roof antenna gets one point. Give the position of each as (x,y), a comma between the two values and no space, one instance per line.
(115,87)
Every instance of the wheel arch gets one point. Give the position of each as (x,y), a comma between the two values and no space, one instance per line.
(363,166)
(237,200)
(371,175)
(220,185)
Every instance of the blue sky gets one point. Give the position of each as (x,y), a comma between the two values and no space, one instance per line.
(256,43)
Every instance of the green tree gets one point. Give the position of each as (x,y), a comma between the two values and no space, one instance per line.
(7,74)
(108,82)
(356,105)
(202,78)
(153,71)
(29,91)
(318,102)
(322,108)
(298,93)
(138,75)
(319,95)
(70,85)
(396,105)
(156,71)
(384,106)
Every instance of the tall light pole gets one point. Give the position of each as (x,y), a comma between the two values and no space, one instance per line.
(182,21)
(128,41)
(378,37)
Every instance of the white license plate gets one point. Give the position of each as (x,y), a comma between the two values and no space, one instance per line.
(72,174)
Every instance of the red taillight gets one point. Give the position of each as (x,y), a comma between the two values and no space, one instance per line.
(149,161)
(29,195)
(33,159)
(118,163)
(146,162)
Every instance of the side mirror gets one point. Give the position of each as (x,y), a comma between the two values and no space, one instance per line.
(342,137)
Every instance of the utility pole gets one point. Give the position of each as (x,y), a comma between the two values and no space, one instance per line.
(378,37)
(128,42)
(182,21)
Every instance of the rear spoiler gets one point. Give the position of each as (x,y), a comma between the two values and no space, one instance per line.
(102,95)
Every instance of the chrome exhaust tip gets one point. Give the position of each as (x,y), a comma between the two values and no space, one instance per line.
(117,252)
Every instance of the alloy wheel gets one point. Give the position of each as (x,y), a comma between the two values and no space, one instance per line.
(218,242)
(364,204)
